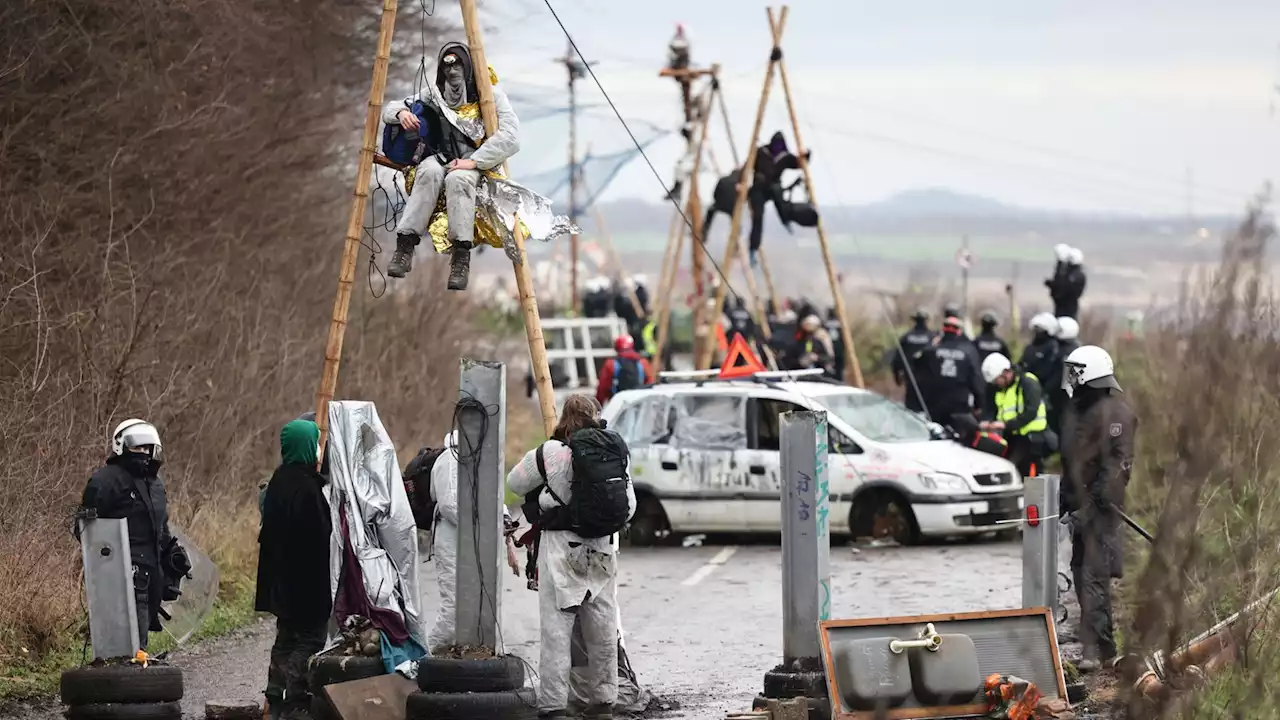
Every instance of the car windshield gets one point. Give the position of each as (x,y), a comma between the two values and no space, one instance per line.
(877,418)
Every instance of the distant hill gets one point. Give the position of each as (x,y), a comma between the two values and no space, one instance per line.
(933,202)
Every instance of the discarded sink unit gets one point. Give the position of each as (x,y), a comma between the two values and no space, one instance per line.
(932,666)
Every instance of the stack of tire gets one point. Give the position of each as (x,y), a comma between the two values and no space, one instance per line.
(480,689)
(123,691)
(334,669)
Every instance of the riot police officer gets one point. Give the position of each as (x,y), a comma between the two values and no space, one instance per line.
(1101,430)
(950,381)
(909,346)
(988,341)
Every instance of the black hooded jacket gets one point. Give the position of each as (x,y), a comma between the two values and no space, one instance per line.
(293,563)
(138,497)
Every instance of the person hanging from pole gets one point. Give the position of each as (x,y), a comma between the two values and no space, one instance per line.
(772,160)
(439,135)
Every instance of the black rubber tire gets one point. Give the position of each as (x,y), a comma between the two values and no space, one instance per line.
(649,523)
(121,684)
(875,503)
(447,675)
(513,705)
(779,684)
(126,711)
(330,669)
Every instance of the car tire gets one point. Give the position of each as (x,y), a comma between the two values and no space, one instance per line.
(780,684)
(330,669)
(873,515)
(649,526)
(94,684)
(321,708)
(126,711)
(485,675)
(511,705)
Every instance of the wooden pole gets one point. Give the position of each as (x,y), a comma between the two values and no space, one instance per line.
(693,212)
(662,300)
(768,278)
(852,367)
(744,183)
(664,316)
(524,282)
(351,245)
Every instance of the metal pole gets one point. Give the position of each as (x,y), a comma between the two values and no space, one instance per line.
(964,281)
(806,542)
(1040,542)
(108,588)
(481,437)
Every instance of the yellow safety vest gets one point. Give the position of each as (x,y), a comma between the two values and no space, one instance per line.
(1009,406)
(649,338)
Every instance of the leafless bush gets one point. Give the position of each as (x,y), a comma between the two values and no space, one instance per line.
(1206,385)
(174,180)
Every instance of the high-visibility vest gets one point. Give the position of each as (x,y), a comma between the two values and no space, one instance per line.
(649,338)
(1009,406)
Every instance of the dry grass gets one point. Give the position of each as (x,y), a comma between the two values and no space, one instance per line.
(174,178)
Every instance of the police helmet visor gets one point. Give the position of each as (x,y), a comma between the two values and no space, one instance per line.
(142,439)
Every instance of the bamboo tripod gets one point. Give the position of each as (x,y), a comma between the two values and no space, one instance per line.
(351,247)
(776,63)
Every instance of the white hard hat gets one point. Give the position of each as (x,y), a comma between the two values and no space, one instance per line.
(1077,257)
(1062,251)
(1044,321)
(134,433)
(994,365)
(1068,328)
(811,323)
(1089,365)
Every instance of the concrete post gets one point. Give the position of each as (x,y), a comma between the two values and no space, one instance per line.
(482,433)
(806,542)
(1040,542)
(108,588)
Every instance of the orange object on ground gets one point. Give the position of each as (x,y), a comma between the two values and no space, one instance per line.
(740,351)
(1009,697)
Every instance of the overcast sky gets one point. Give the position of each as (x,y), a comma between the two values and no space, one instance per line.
(1089,104)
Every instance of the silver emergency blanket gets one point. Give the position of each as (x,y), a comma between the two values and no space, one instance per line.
(364,477)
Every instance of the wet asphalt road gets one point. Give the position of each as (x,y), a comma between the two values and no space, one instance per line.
(702,624)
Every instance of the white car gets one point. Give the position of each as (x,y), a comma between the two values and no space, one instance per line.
(704,458)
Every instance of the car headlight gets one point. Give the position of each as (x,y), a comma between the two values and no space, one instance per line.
(943,482)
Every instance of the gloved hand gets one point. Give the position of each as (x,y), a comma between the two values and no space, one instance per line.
(171,591)
(178,560)
(1100,501)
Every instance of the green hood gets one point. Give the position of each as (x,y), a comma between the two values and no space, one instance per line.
(299,442)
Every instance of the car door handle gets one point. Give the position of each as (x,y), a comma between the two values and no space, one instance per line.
(757,469)
(668,465)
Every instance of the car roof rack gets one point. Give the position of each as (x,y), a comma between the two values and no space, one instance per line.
(764,377)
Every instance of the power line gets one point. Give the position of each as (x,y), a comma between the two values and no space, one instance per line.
(658,176)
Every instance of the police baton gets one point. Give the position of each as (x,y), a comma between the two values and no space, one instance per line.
(1136,527)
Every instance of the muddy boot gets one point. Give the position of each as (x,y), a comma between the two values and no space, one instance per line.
(598,712)
(460,266)
(402,259)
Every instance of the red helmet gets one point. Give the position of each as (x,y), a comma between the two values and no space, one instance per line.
(624,342)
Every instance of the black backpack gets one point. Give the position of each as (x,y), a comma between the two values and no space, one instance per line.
(417,485)
(628,374)
(597,504)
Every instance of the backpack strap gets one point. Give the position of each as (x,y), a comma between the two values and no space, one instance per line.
(640,373)
(542,470)
(617,369)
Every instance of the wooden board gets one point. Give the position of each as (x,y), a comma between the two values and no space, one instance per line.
(376,698)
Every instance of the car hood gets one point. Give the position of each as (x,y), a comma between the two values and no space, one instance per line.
(950,456)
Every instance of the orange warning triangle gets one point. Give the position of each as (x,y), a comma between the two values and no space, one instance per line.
(740,351)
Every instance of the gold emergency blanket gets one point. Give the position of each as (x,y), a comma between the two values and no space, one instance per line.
(499,201)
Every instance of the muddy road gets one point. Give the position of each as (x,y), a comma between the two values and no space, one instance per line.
(702,624)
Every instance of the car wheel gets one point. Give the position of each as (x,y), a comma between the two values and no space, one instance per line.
(121,684)
(483,675)
(884,514)
(512,705)
(649,526)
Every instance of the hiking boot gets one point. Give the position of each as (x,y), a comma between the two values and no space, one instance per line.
(402,259)
(460,266)
(598,712)
(1092,665)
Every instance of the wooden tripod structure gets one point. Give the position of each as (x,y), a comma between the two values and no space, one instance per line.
(777,64)
(351,247)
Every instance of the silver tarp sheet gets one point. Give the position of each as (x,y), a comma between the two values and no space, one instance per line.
(365,479)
